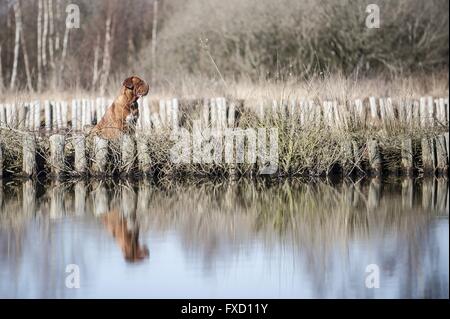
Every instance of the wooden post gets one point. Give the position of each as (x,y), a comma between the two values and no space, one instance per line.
(213,113)
(373,111)
(441,155)
(231,115)
(73,115)
(100,155)
(169,113)
(374,157)
(175,117)
(37,115)
(431,114)
(80,154)
(48,116)
(143,155)
(64,107)
(57,143)
(407,156)
(21,117)
(162,112)
(360,114)
(29,155)
(2,116)
(98,109)
(423,112)
(146,114)
(79,115)
(58,115)
(205,113)
(128,153)
(428,156)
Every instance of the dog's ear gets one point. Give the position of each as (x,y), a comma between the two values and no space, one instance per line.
(128,83)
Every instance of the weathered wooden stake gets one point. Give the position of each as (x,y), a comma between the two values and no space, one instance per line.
(128,153)
(143,155)
(29,155)
(407,156)
(428,156)
(100,155)
(47,115)
(441,155)
(79,144)
(374,157)
(231,115)
(57,143)
(2,116)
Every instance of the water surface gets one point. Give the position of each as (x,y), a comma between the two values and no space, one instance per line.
(290,239)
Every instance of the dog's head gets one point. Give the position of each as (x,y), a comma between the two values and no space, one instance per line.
(135,88)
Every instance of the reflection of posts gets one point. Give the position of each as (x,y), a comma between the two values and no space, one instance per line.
(29,198)
(100,201)
(80,198)
(373,199)
(57,201)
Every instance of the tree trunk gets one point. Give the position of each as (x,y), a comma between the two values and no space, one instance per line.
(58,19)
(44,35)
(39,46)
(16,47)
(96,57)
(24,47)
(2,84)
(106,55)
(154,29)
(63,55)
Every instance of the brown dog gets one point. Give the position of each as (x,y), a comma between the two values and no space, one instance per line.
(128,240)
(123,111)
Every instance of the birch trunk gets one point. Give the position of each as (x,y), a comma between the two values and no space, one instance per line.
(39,46)
(16,48)
(154,29)
(24,47)
(2,84)
(106,56)
(44,35)
(96,57)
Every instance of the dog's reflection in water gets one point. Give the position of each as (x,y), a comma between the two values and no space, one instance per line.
(126,234)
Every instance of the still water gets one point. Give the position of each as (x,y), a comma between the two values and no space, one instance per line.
(290,239)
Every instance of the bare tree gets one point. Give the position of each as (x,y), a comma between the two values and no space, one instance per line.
(39,46)
(24,47)
(106,66)
(44,35)
(2,84)
(96,57)
(154,29)
(16,46)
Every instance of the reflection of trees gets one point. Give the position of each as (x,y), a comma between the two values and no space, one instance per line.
(319,223)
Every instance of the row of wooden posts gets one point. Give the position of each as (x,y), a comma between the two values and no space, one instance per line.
(434,155)
(218,112)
